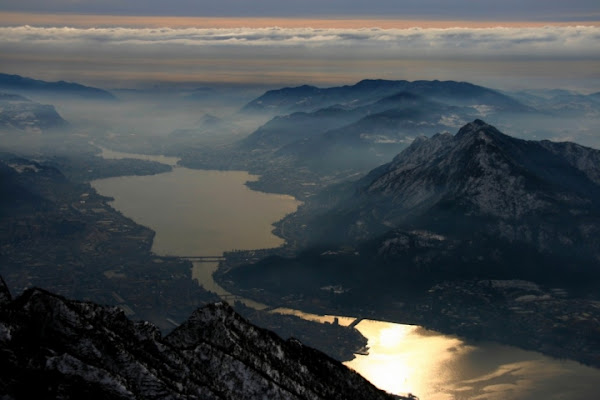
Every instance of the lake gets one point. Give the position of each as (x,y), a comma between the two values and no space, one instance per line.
(200,212)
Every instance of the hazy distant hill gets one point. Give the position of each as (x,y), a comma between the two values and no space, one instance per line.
(342,138)
(377,137)
(310,98)
(19,84)
(208,129)
(559,103)
(573,105)
(286,129)
(301,126)
(19,114)
(361,126)
(322,136)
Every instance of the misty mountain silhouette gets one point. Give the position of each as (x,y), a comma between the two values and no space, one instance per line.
(20,84)
(20,114)
(310,98)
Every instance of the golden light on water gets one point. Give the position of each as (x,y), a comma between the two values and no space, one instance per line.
(389,337)
(404,358)
(410,359)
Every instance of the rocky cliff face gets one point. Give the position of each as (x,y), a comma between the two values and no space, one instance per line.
(489,173)
(52,347)
(481,180)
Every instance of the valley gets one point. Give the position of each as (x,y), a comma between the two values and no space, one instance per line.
(476,311)
(467,231)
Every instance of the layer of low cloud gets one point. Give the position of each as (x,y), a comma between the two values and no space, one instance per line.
(241,53)
(576,42)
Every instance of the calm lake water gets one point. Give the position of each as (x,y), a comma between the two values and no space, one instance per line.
(199,212)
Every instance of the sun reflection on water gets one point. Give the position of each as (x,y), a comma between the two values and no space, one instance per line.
(410,359)
(404,358)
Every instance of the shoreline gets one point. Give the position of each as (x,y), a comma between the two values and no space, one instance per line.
(433,321)
(473,327)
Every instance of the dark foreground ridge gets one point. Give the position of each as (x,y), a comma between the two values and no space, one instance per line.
(52,347)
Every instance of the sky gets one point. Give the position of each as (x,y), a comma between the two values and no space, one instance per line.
(530,10)
(504,44)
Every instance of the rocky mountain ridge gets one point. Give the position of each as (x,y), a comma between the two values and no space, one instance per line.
(74,349)
(481,173)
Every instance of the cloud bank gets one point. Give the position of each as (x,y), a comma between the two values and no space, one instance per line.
(240,53)
(553,41)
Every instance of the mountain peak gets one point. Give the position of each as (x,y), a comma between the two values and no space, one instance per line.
(476,127)
(484,173)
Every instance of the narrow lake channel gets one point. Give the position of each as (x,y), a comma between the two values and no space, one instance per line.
(204,213)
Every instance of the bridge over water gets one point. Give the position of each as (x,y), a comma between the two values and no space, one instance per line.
(356,322)
(204,258)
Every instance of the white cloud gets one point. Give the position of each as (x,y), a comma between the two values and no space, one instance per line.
(297,54)
(555,41)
